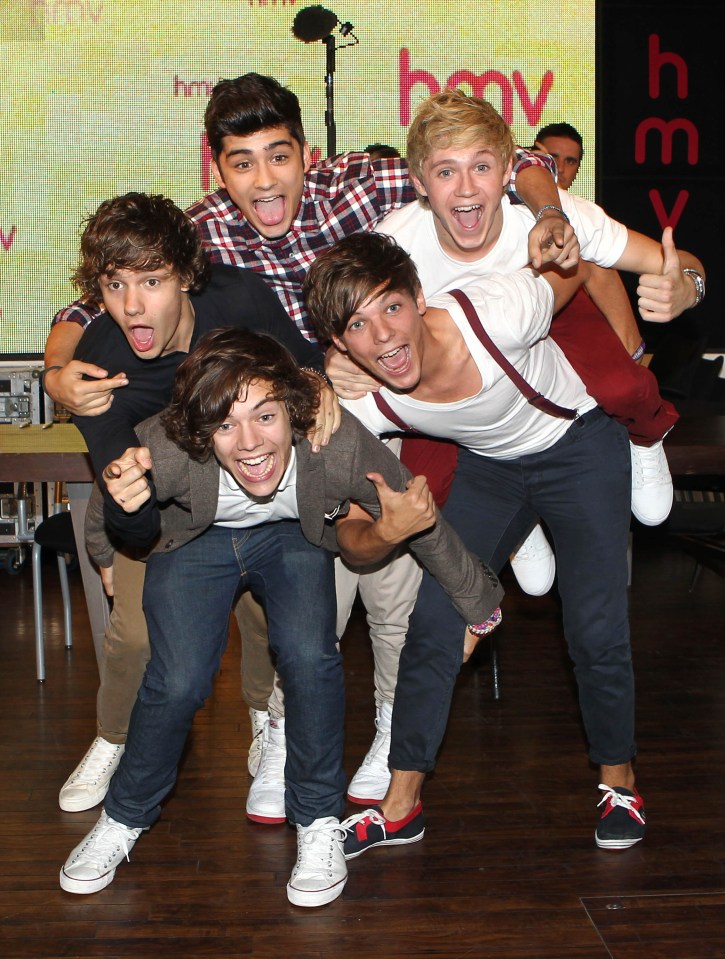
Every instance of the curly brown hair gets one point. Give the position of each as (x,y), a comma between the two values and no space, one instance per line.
(218,371)
(139,231)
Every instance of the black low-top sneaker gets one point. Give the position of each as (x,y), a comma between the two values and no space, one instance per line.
(622,822)
(371,828)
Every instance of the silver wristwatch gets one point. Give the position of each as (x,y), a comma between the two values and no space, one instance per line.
(699,281)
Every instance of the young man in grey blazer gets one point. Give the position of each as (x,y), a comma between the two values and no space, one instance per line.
(228,496)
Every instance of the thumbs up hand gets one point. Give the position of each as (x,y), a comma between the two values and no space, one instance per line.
(403,514)
(663,296)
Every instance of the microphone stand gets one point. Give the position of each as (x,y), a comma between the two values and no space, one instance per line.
(329,42)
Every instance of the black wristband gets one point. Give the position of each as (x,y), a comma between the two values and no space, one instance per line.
(41,375)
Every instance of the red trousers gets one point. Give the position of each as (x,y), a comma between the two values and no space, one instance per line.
(623,388)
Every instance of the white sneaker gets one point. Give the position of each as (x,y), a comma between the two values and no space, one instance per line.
(533,563)
(320,873)
(88,783)
(259,719)
(651,484)
(265,801)
(370,782)
(92,864)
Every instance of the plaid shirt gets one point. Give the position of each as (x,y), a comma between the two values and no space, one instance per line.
(346,194)
(342,195)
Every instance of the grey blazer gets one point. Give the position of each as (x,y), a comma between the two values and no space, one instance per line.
(187,494)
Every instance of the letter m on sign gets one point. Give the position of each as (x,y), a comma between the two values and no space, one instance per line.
(667,130)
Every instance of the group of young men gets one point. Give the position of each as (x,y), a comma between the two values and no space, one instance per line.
(240,487)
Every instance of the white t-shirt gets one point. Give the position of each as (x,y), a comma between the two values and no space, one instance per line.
(601,239)
(515,311)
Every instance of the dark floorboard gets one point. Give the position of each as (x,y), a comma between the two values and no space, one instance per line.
(508,867)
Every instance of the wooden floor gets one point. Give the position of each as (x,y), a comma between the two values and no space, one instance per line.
(508,867)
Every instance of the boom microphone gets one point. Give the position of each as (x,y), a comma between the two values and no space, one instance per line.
(314,23)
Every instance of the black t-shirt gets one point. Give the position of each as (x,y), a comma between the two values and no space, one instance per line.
(234,297)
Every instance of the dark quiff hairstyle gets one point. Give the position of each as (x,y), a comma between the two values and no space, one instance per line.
(342,278)
(139,231)
(218,372)
(381,151)
(562,129)
(248,104)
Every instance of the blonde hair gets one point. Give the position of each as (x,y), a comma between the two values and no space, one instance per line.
(452,118)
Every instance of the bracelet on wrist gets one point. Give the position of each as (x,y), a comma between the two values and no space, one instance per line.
(699,281)
(321,373)
(555,209)
(488,626)
(639,352)
(43,372)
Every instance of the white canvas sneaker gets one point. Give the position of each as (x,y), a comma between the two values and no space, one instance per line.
(370,782)
(87,785)
(533,563)
(265,800)
(320,873)
(92,864)
(259,719)
(651,484)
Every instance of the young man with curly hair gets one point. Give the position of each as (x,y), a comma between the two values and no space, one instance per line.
(241,502)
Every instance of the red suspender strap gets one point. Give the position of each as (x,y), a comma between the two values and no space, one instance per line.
(385,409)
(536,399)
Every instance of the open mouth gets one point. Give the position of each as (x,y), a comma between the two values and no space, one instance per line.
(396,361)
(270,210)
(468,216)
(142,338)
(258,468)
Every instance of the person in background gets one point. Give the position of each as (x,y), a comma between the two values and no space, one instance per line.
(564,144)
(381,151)
(242,503)
(274,212)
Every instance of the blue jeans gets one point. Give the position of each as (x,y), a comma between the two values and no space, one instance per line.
(581,488)
(188,597)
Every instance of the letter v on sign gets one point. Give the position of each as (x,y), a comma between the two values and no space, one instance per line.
(533,110)
(7,238)
(663,217)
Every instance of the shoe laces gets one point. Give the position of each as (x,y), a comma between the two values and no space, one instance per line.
(381,744)
(96,761)
(104,842)
(272,761)
(317,842)
(260,720)
(534,547)
(372,815)
(629,803)
(649,466)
